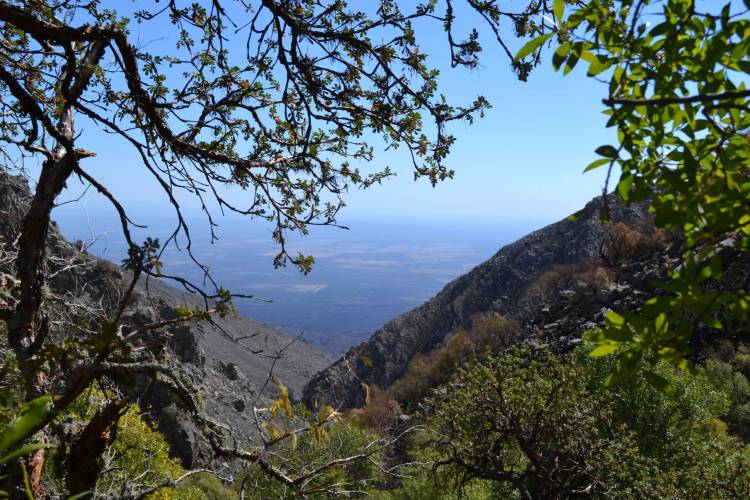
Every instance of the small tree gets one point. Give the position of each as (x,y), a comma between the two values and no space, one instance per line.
(546,426)
(530,423)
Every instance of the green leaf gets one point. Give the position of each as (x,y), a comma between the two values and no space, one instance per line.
(573,59)
(606,151)
(26,483)
(596,164)
(31,415)
(604,350)
(558,58)
(745,221)
(623,187)
(559,10)
(618,334)
(660,323)
(598,66)
(24,450)
(532,45)
(615,319)
(657,380)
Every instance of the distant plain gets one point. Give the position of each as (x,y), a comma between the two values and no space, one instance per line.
(362,277)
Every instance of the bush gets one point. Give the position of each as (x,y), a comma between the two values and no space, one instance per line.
(427,371)
(380,414)
(345,438)
(548,427)
(137,460)
(583,277)
(624,244)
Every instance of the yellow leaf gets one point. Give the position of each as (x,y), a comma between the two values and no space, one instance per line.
(283,402)
(271,429)
(326,412)
(320,434)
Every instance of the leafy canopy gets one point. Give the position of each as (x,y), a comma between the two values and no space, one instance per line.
(676,74)
(540,425)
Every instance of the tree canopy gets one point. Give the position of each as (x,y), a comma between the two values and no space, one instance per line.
(675,74)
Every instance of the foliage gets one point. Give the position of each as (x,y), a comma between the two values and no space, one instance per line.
(343,438)
(529,422)
(283,101)
(728,367)
(430,370)
(201,486)
(548,426)
(677,96)
(137,459)
(279,100)
(17,430)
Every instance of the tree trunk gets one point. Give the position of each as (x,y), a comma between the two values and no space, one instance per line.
(84,459)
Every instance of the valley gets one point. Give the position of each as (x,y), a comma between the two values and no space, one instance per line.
(362,277)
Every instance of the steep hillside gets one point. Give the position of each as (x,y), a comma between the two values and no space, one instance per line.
(226,363)
(505,285)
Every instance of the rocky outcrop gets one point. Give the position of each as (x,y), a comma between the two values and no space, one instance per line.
(225,373)
(499,285)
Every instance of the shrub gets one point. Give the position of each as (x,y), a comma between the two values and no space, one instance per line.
(582,277)
(381,412)
(623,243)
(345,438)
(490,333)
(137,460)
(548,427)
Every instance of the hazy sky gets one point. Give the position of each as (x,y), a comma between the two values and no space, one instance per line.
(522,162)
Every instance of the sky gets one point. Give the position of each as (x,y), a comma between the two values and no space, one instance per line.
(521,163)
(517,169)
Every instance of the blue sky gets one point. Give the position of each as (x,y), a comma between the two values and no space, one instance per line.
(517,169)
(521,163)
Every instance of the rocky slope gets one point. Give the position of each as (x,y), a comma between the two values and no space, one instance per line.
(226,363)
(504,285)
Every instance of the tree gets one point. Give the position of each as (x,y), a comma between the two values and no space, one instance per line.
(546,426)
(530,424)
(676,78)
(275,97)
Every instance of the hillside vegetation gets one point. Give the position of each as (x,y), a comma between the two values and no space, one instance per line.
(604,356)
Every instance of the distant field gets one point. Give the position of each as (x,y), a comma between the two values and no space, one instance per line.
(362,277)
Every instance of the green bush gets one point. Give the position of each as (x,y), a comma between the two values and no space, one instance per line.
(547,426)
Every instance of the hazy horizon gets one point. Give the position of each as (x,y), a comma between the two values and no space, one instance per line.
(362,278)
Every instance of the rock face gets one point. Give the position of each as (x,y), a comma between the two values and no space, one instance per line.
(498,285)
(226,374)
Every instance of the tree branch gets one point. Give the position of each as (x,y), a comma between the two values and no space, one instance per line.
(665,101)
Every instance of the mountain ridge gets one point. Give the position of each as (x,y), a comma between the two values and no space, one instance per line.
(497,285)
